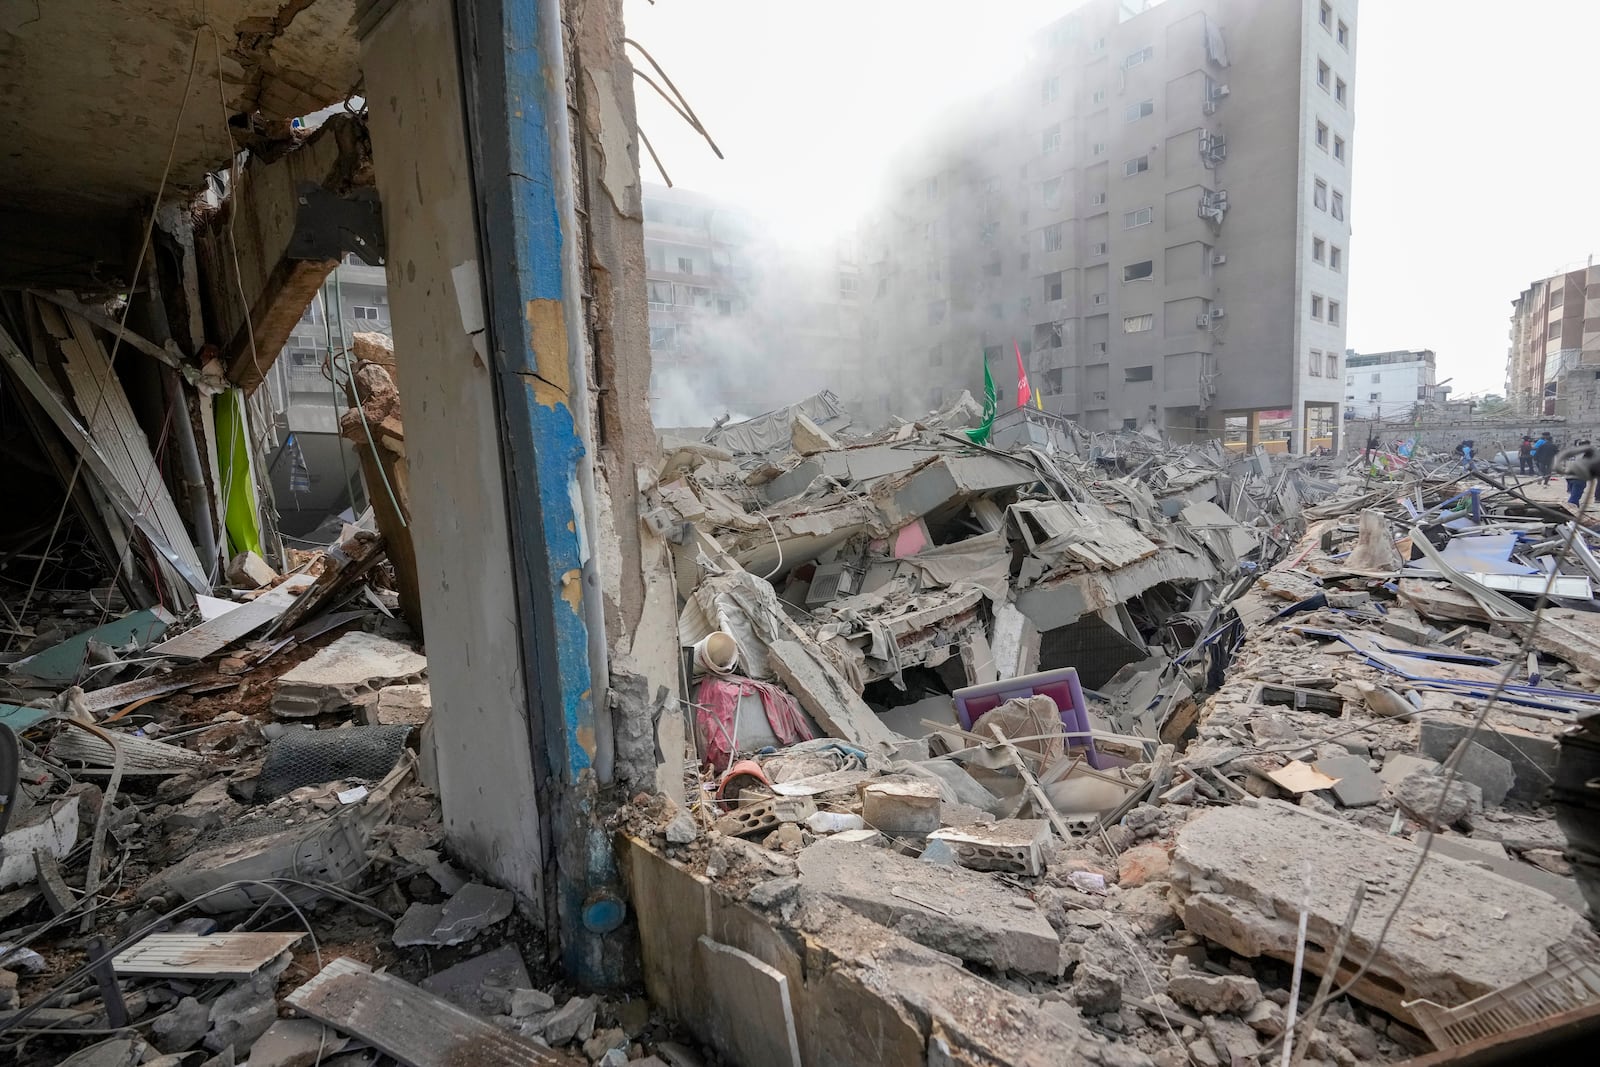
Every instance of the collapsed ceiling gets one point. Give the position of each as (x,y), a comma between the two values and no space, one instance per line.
(93,91)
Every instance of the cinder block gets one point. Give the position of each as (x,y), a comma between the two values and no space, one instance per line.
(1013,846)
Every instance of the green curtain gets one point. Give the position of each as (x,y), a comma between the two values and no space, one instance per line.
(233,466)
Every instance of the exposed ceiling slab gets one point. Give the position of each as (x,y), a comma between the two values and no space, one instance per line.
(93,91)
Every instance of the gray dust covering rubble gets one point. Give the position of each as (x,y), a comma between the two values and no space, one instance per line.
(1118,726)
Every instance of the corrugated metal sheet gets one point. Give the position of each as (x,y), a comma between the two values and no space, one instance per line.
(226,955)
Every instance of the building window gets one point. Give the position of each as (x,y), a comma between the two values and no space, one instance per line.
(1325,16)
(1052,286)
(1333,364)
(1051,139)
(1098,96)
(1051,236)
(1374,396)
(1333,313)
(1025,305)
(1141,56)
(1098,248)
(1318,248)
(1324,75)
(1050,90)
(1146,373)
(366,313)
(1097,199)
(1022,261)
(1097,45)
(658,293)
(848,285)
(1344,35)
(1135,112)
(1376,378)
(1338,204)
(685,265)
(1047,335)
(725,307)
(1137,165)
(936,312)
(1319,195)
(1335,257)
(1141,217)
(1136,271)
(663,337)
(1316,307)
(1322,136)
(991,187)
(1339,90)
(1316,363)
(1138,323)
(1338,149)
(1098,148)
(1051,191)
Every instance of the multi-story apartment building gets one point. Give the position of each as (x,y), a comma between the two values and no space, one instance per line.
(1388,385)
(1156,213)
(739,322)
(1554,364)
(314,471)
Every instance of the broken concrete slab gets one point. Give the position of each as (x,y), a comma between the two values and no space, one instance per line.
(1358,786)
(570,1020)
(294,1043)
(1533,758)
(1398,767)
(1427,799)
(1238,873)
(1491,772)
(1491,856)
(827,697)
(482,984)
(243,1013)
(181,1027)
(469,911)
(356,663)
(949,909)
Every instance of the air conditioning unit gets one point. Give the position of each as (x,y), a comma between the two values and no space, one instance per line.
(1219,92)
(832,580)
(1098,198)
(1202,321)
(1097,249)
(1217,313)
(1218,259)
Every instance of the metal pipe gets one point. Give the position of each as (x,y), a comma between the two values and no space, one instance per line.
(572,286)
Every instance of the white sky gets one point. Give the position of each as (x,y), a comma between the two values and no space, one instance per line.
(1476,158)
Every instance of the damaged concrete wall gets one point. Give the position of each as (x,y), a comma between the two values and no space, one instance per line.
(460,523)
(640,613)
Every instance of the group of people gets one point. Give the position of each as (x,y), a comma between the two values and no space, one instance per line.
(1539,457)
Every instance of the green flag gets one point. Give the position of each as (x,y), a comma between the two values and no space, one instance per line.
(979,435)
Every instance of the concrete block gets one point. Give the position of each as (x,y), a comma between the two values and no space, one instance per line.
(1426,799)
(1238,874)
(1399,767)
(356,663)
(400,705)
(902,808)
(294,1043)
(1214,994)
(749,819)
(1533,758)
(948,909)
(1358,786)
(249,571)
(571,1020)
(1014,846)
(1489,771)
(182,1027)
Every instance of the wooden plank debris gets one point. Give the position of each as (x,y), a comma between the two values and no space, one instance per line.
(1040,801)
(220,955)
(198,642)
(409,1024)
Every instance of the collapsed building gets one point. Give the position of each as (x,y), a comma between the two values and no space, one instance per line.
(801,740)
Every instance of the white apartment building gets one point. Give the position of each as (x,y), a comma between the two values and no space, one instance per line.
(1388,385)
(1156,213)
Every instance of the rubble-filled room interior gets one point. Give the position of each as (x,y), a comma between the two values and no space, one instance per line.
(960,738)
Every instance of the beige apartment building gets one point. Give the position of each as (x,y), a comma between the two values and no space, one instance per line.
(1156,213)
(1554,363)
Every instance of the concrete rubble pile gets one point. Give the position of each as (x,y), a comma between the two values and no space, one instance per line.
(221,825)
(1139,745)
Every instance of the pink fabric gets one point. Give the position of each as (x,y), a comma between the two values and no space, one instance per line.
(717,700)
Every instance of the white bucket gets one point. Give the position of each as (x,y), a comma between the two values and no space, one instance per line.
(716,652)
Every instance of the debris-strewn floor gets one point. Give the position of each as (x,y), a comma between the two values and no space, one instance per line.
(1285,673)
(268,842)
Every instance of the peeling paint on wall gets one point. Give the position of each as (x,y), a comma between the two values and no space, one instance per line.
(614,138)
